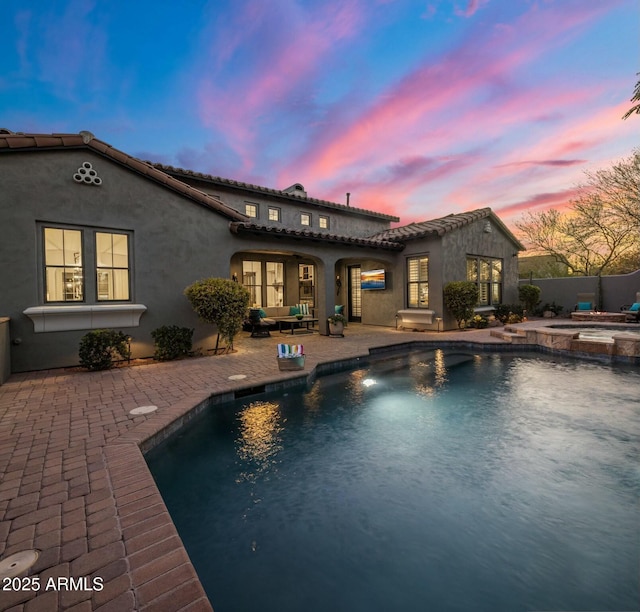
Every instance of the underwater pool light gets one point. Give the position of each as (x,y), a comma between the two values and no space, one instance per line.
(368,382)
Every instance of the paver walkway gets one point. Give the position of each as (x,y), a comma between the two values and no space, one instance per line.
(74,484)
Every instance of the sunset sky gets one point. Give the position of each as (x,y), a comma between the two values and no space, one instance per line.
(418,108)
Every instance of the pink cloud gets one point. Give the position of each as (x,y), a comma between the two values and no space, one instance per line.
(469,11)
(293,53)
(429,98)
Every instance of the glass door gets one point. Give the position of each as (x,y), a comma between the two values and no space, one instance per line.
(354,294)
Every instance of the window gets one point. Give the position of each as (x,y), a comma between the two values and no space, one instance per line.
(305,219)
(64,275)
(269,293)
(275,283)
(323,222)
(112,266)
(486,272)
(252,280)
(66,253)
(274,214)
(251,210)
(306,288)
(418,282)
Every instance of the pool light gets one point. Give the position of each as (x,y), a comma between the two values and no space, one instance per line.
(368,382)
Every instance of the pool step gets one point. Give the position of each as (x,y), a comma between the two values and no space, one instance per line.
(512,335)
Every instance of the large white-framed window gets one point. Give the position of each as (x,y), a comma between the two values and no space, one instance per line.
(306,284)
(265,282)
(63,265)
(418,282)
(275,283)
(112,266)
(84,264)
(82,268)
(486,272)
(252,280)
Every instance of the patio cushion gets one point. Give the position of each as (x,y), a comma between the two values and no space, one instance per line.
(634,307)
(263,314)
(293,310)
(585,306)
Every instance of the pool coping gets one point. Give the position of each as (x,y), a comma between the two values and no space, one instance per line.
(98,512)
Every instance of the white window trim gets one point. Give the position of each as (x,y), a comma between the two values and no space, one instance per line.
(85,316)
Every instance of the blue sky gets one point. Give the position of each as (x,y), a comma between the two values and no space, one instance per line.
(417,108)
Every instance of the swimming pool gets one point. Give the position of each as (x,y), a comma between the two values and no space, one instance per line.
(436,481)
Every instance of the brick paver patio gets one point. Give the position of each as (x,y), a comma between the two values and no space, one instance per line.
(74,484)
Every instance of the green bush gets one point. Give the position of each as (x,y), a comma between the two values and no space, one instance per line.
(460,298)
(556,309)
(98,348)
(529,295)
(222,302)
(172,342)
(509,313)
(479,322)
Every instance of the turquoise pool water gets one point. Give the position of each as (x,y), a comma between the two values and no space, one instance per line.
(444,482)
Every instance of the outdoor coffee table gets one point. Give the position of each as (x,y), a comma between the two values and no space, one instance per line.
(602,317)
(295,325)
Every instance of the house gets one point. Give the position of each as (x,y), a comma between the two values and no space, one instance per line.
(95,238)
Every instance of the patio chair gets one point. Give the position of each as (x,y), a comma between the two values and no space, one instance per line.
(259,327)
(632,310)
(586,301)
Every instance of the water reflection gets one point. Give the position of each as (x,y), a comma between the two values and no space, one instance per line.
(430,376)
(312,399)
(259,439)
(355,388)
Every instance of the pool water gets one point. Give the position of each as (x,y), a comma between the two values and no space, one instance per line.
(437,481)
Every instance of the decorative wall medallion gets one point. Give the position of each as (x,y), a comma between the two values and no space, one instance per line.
(86,174)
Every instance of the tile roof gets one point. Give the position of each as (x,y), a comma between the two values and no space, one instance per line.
(444,225)
(285,193)
(10,141)
(286,232)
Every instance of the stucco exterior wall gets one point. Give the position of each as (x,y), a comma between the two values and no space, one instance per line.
(5,351)
(617,290)
(343,222)
(174,242)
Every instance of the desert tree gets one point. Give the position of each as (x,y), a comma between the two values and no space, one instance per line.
(601,226)
(635,109)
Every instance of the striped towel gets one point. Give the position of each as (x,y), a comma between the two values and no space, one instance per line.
(290,350)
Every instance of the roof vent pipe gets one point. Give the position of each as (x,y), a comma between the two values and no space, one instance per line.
(348,196)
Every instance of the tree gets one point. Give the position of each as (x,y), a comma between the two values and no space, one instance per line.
(602,226)
(529,295)
(635,98)
(221,302)
(460,297)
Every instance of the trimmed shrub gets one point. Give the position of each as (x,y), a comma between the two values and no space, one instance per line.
(99,347)
(172,342)
(509,313)
(460,298)
(479,322)
(556,309)
(529,295)
(222,302)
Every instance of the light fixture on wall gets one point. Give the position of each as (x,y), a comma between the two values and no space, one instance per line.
(487,227)
(338,284)
(234,277)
